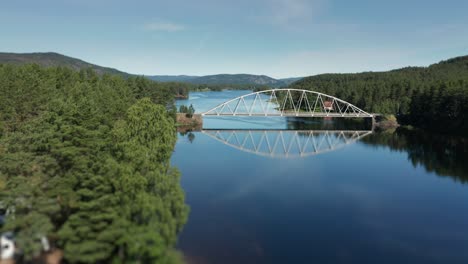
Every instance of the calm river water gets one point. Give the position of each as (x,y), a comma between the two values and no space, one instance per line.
(336,194)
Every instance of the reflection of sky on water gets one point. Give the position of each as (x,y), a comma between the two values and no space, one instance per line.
(358,204)
(353,205)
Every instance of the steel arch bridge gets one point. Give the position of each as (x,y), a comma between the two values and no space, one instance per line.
(287,143)
(287,102)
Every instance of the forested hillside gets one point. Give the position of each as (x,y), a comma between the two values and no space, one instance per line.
(238,79)
(434,97)
(245,81)
(171,78)
(52,59)
(181,82)
(84,162)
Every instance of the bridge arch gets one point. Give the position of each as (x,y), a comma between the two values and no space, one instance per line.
(287,102)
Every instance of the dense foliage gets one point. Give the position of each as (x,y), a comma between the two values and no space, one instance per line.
(434,97)
(84,161)
(188,111)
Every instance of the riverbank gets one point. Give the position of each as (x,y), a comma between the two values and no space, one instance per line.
(386,122)
(189,123)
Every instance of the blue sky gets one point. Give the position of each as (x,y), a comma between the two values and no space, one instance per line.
(280,38)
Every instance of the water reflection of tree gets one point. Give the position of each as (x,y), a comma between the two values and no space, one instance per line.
(307,123)
(444,155)
(190,135)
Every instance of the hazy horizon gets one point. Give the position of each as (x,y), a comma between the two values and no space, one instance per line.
(277,38)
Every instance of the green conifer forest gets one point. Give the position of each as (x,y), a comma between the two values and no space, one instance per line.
(434,97)
(84,161)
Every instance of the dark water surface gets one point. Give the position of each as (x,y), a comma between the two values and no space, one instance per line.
(393,197)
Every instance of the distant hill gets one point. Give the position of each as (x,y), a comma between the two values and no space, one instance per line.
(289,81)
(172,78)
(51,59)
(237,79)
(233,79)
(434,97)
(454,68)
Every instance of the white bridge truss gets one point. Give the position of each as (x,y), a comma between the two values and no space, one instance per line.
(287,102)
(286,143)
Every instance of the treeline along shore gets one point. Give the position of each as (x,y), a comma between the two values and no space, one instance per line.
(85,166)
(433,98)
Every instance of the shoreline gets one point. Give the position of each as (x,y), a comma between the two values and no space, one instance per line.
(184,123)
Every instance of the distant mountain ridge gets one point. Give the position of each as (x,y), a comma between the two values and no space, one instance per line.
(289,81)
(172,78)
(235,79)
(52,59)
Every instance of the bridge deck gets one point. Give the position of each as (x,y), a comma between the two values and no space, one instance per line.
(291,114)
(272,130)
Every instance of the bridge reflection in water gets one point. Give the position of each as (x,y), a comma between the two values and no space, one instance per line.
(287,143)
